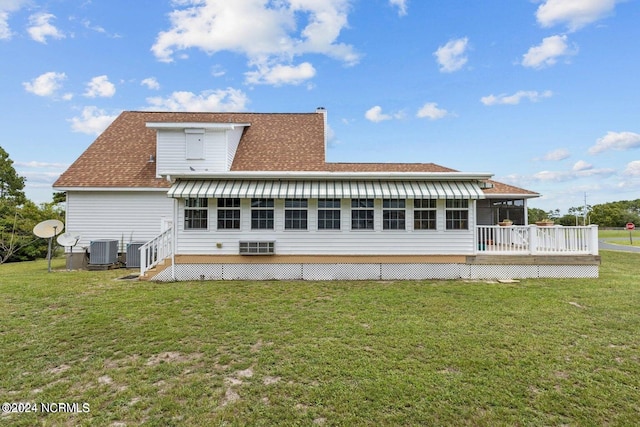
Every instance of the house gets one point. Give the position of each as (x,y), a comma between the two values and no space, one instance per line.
(251,196)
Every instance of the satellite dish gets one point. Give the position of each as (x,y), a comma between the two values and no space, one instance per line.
(49,228)
(68,239)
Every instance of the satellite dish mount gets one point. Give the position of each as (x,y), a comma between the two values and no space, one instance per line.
(69,239)
(48,230)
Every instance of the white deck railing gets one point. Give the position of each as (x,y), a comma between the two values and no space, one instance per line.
(156,250)
(534,240)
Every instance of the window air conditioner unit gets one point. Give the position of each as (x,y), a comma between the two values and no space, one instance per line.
(103,252)
(257,248)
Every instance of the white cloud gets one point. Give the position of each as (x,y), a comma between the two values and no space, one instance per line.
(89,26)
(401,5)
(563,176)
(591,171)
(265,32)
(556,155)
(632,169)
(431,111)
(616,141)
(40,28)
(218,71)
(451,57)
(100,86)
(92,120)
(375,114)
(5,31)
(581,165)
(503,99)
(574,13)
(37,179)
(219,100)
(547,53)
(45,84)
(6,7)
(151,83)
(281,74)
(36,164)
(552,176)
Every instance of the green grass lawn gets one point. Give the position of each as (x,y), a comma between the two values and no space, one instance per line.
(620,237)
(538,352)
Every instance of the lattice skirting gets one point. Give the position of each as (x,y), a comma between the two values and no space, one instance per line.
(375,271)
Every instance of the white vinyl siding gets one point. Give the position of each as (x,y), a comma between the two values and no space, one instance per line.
(194,140)
(125,216)
(175,154)
(330,242)
(233,140)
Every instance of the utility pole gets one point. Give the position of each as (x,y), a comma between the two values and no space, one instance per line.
(584,211)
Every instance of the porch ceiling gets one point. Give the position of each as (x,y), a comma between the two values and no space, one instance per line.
(276,189)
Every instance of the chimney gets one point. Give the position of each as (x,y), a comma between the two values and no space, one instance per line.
(323,111)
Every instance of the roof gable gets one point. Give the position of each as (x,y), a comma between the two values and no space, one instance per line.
(119,157)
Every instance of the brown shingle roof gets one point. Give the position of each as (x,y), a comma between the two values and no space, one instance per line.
(273,142)
(386,167)
(281,142)
(119,156)
(502,188)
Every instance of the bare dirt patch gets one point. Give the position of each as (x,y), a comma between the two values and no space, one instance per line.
(270,380)
(232,381)
(230,396)
(247,373)
(119,363)
(172,357)
(59,369)
(257,346)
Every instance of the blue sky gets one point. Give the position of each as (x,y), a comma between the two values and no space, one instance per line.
(542,93)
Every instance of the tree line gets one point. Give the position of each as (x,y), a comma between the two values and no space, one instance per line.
(18,216)
(612,214)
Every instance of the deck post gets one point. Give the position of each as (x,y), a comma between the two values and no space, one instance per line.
(594,239)
(533,239)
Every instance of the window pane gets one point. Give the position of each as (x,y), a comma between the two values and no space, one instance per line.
(424,203)
(393,204)
(229,218)
(362,203)
(295,203)
(362,219)
(262,219)
(328,203)
(196,202)
(457,204)
(295,219)
(195,219)
(424,220)
(457,220)
(328,219)
(261,203)
(393,220)
(228,203)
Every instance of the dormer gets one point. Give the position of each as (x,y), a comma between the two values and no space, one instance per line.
(195,148)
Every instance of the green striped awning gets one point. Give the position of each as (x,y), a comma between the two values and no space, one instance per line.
(275,189)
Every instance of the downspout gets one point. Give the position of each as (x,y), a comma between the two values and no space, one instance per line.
(174,237)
